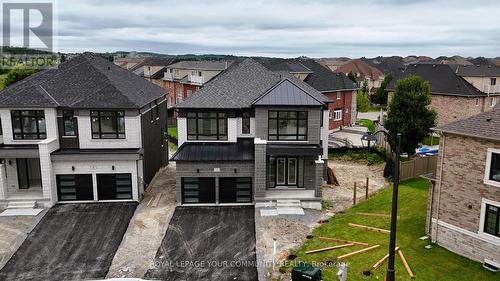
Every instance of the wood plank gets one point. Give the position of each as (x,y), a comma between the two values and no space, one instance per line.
(405,263)
(330,248)
(332,239)
(157,200)
(377,264)
(374,215)
(358,252)
(369,228)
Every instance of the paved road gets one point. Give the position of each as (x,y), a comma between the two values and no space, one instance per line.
(71,242)
(208,243)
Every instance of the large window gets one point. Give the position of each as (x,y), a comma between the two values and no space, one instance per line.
(492,220)
(337,114)
(245,123)
(207,125)
(69,127)
(108,124)
(28,124)
(287,125)
(494,170)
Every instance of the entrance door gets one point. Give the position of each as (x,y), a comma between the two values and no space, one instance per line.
(285,171)
(28,173)
(281,171)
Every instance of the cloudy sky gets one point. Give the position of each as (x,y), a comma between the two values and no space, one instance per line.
(284,28)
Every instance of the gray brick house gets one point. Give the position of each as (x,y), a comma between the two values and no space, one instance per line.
(252,136)
(85,131)
(463,212)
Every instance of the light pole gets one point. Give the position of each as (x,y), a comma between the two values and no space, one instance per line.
(394,211)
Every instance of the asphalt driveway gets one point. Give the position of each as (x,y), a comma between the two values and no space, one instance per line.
(207,243)
(71,242)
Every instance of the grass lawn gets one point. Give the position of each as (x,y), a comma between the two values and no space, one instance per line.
(368,158)
(172,132)
(429,140)
(368,124)
(427,264)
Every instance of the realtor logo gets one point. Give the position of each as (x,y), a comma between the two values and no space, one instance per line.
(37,25)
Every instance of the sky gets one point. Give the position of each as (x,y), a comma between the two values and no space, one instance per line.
(281,28)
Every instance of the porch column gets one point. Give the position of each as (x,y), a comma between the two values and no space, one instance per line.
(45,148)
(3,182)
(318,178)
(260,168)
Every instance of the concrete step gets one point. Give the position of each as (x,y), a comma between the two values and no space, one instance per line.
(288,203)
(21,205)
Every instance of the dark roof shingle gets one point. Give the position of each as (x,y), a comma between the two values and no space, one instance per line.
(485,125)
(243,150)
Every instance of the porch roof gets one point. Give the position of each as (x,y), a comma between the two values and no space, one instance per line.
(294,149)
(243,150)
(19,151)
(97,154)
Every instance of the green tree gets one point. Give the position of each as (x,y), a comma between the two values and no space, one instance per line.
(409,114)
(381,95)
(352,77)
(17,74)
(362,101)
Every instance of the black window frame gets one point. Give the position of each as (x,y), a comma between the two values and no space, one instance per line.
(117,134)
(68,115)
(197,136)
(245,123)
(298,118)
(37,114)
(493,81)
(496,218)
(495,159)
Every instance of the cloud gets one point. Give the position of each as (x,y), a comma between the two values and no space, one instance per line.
(282,28)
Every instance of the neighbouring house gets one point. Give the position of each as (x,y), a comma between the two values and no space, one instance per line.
(85,131)
(155,68)
(364,73)
(252,136)
(486,78)
(452,96)
(183,78)
(463,213)
(340,90)
(129,63)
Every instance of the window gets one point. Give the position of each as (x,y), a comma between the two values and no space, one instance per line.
(493,171)
(330,114)
(108,124)
(493,101)
(28,124)
(339,95)
(207,125)
(287,125)
(69,128)
(188,93)
(337,114)
(179,95)
(245,123)
(285,171)
(493,81)
(492,220)
(476,102)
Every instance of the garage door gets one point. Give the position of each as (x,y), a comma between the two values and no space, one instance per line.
(114,186)
(74,187)
(235,190)
(198,190)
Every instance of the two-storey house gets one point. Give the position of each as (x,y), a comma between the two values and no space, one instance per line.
(252,136)
(485,77)
(463,213)
(364,73)
(183,78)
(85,131)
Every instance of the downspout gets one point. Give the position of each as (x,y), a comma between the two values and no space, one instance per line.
(439,189)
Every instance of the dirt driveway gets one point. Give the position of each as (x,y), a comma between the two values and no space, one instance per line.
(208,243)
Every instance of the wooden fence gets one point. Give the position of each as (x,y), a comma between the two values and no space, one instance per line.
(417,167)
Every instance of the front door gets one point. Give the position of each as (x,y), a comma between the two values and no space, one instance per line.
(28,173)
(286,171)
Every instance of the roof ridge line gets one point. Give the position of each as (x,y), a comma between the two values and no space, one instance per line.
(50,96)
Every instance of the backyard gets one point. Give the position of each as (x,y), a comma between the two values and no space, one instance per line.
(427,264)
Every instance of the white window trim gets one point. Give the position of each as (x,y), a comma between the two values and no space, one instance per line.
(476,101)
(493,101)
(339,95)
(488,167)
(339,112)
(487,236)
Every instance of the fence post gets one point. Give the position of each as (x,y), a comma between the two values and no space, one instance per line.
(354,197)
(367,183)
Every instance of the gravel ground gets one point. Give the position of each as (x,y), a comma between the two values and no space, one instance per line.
(146,229)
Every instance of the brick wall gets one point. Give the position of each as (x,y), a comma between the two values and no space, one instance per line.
(343,102)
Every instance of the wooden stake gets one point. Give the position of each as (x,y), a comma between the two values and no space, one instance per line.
(376,265)
(369,228)
(354,196)
(330,248)
(366,191)
(374,215)
(358,252)
(405,263)
(331,239)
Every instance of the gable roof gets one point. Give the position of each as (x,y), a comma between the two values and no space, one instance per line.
(85,81)
(325,80)
(240,85)
(202,64)
(287,93)
(292,66)
(361,67)
(442,79)
(484,125)
(481,70)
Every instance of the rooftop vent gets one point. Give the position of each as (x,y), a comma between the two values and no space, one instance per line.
(488,119)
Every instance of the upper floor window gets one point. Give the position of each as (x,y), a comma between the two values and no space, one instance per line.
(287,125)
(493,81)
(207,125)
(476,101)
(492,220)
(108,124)
(493,171)
(69,127)
(339,95)
(245,123)
(28,124)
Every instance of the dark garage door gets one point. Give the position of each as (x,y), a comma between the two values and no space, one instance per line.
(74,187)
(235,190)
(198,190)
(114,186)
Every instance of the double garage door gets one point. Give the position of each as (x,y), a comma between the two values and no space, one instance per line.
(80,187)
(202,190)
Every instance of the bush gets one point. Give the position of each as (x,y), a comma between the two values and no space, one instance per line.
(362,102)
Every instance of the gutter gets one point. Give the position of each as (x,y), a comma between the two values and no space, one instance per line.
(467,135)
